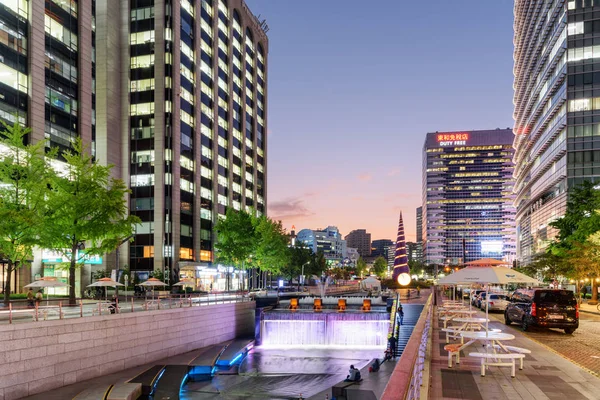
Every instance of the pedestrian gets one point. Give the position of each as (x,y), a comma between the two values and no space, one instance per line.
(418,291)
(400,315)
(39,296)
(392,344)
(30,297)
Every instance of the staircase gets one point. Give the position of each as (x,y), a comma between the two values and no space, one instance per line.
(412,312)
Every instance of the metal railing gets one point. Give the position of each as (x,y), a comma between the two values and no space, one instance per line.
(416,380)
(52,309)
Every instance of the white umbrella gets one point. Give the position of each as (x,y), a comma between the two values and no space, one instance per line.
(105,282)
(46,282)
(153,282)
(185,282)
(487,275)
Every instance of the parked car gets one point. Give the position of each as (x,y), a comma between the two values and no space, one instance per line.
(496,302)
(549,308)
(474,295)
(466,293)
(479,300)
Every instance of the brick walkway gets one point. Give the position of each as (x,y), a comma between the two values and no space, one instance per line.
(546,375)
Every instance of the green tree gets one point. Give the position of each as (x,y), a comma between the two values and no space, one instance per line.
(317,265)
(299,256)
(237,239)
(361,267)
(271,253)
(87,209)
(24,175)
(547,265)
(380,266)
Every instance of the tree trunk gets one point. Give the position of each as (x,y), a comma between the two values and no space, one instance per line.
(72,300)
(594,299)
(7,283)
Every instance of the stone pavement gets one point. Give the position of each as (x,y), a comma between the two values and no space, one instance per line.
(546,374)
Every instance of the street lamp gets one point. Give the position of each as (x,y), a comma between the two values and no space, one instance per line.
(306,263)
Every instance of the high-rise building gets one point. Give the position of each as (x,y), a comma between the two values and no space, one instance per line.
(361,240)
(468,209)
(412,251)
(328,241)
(419,256)
(172,92)
(380,247)
(557,112)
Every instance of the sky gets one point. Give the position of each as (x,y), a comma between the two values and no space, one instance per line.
(354,86)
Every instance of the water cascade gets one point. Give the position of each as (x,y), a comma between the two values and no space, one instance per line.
(327,329)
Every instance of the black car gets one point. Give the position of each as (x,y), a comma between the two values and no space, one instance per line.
(549,308)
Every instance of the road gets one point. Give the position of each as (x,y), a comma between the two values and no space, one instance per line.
(582,347)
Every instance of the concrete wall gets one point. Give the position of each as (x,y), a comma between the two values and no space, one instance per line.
(40,356)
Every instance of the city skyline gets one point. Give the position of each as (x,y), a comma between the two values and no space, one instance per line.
(322,171)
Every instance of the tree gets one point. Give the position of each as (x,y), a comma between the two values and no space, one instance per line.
(24,175)
(317,265)
(380,266)
(548,265)
(585,259)
(271,252)
(299,256)
(581,220)
(87,209)
(236,239)
(361,267)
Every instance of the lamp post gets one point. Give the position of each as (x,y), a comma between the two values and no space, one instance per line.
(306,263)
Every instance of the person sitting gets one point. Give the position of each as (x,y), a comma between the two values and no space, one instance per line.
(353,375)
(375,365)
(387,355)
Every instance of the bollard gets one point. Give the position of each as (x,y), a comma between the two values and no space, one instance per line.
(81,308)
(60,314)
(132,304)
(36,312)
(10,313)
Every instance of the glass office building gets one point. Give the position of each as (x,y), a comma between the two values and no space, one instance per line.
(171,92)
(557,112)
(468,210)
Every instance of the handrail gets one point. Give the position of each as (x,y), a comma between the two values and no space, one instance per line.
(58,309)
(416,381)
(401,380)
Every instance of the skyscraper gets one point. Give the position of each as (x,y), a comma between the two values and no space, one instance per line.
(557,105)
(172,92)
(419,235)
(360,239)
(467,196)
(380,247)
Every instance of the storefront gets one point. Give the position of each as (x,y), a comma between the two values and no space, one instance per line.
(57,265)
(213,279)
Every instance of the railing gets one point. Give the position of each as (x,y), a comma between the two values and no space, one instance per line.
(416,381)
(20,311)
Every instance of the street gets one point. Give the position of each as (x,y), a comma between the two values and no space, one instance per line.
(582,347)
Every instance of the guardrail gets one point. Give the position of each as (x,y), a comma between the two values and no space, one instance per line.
(19,311)
(416,380)
(407,377)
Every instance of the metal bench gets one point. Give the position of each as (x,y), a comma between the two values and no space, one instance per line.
(494,359)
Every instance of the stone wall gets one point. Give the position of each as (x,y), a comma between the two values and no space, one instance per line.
(39,356)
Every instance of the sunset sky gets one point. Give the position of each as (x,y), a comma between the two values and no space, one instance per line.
(353,88)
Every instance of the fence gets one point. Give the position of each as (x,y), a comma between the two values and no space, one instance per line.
(416,380)
(19,311)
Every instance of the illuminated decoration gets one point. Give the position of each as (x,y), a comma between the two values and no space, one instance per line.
(401,271)
(452,139)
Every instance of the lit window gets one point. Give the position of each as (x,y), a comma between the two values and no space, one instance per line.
(148,251)
(580,105)
(575,28)
(142,180)
(186,254)
(142,37)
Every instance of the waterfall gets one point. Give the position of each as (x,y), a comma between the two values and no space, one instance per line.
(327,329)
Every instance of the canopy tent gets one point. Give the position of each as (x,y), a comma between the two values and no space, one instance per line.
(486,275)
(486,262)
(370,283)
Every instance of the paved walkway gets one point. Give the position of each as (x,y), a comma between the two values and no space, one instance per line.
(546,374)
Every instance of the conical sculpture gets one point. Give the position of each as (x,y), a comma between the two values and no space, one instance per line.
(401,271)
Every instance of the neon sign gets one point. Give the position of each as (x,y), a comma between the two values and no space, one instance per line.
(452,139)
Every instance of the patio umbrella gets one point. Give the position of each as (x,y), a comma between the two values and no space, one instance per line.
(152,282)
(46,282)
(487,275)
(185,282)
(105,282)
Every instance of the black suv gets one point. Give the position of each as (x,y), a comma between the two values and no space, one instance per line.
(547,308)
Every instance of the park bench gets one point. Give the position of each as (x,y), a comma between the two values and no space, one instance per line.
(514,349)
(495,360)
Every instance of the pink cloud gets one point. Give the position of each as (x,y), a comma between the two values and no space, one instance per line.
(365,177)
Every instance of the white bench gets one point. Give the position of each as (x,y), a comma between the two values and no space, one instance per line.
(452,333)
(494,359)
(518,350)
